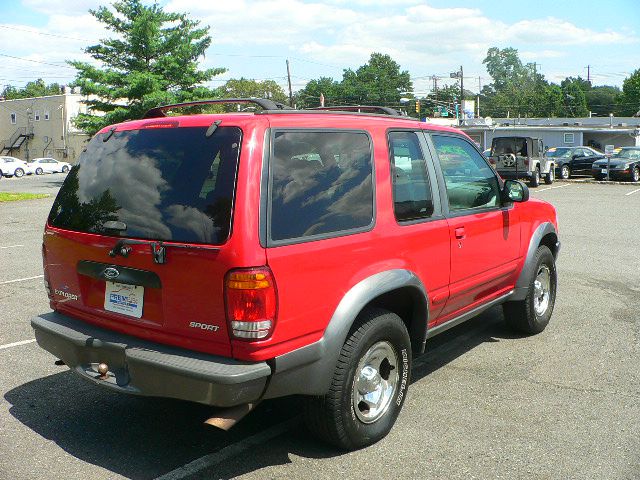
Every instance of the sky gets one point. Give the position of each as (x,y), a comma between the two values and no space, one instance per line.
(254,38)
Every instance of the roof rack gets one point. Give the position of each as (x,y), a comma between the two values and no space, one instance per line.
(361,109)
(261,102)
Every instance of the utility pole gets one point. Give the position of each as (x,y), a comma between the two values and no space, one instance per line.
(460,74)
(289,80)
(461,88)
(478,99)
(589,73)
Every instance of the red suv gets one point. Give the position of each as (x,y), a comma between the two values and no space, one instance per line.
(229,258)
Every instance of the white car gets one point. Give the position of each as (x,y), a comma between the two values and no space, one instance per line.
(49,165)
(10,166)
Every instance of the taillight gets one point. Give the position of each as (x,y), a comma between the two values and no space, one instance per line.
(45,271)
(251,302)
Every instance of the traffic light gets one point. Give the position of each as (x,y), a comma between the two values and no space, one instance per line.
(417,106)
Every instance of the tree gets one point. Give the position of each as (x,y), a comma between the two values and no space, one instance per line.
(378,82)
(32,89)
(602,100)
(504,66)
(245,88)
(629,101)
(153,60)
(575,104)
(309,96)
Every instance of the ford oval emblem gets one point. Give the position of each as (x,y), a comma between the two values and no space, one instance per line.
(111,273)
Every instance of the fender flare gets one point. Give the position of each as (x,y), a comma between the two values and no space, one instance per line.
(309,369)
(527,272)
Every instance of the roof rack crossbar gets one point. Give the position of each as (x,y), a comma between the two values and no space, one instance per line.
(361,108)
(261,102)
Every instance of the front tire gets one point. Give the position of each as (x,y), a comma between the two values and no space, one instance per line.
(635,174)
(532,314)
(369,384)
(65,169)
(565,172)
(550,176)
(19,172)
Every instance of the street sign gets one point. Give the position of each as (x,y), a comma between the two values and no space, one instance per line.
(608,152)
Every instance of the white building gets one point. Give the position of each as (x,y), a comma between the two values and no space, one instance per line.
(596,132)
(42,127)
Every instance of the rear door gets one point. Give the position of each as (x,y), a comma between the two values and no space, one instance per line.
(484,235)
(137,239)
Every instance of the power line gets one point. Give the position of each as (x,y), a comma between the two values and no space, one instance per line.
(7,27)
(36,61)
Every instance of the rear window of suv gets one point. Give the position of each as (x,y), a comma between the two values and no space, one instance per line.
(171,184)
(321,184)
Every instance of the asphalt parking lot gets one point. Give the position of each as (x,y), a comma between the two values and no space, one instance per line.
(483,403)
(48,183)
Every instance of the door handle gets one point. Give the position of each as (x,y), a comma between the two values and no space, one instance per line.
(460,233)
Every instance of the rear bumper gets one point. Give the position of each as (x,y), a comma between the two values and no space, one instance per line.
(613,174)
(145,368)
(513,175)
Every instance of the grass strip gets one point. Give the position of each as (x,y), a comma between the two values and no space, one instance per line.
(15,197)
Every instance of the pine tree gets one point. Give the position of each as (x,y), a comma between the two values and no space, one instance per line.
(152,60)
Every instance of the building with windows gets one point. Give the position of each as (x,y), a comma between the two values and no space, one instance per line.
(595,132)
(42,127)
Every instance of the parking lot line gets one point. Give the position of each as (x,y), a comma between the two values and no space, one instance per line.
(17,344)
(229,451)
(20,279)
(551,188)
(632,192)
(11,246)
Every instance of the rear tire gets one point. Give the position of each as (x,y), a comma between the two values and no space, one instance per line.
(565,172)
(39,171)
(369,384)
(532,314)
(535,178)
(65,169)
(550,176)
(19,172)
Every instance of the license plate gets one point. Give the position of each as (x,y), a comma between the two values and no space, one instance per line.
(604,170)
(124,299)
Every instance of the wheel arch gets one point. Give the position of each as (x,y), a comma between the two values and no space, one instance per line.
(308,370)
(545,234)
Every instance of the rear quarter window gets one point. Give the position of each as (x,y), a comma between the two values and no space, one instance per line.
(321,184)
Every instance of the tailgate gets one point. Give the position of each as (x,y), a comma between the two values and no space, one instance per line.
(136,239)
(179,303)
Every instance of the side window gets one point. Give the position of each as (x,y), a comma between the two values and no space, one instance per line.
(412,198)
(320,183)
(471,183)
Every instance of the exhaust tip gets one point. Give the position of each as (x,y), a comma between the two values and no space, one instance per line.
(228,417)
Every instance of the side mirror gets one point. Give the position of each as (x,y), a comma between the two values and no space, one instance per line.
(515,191)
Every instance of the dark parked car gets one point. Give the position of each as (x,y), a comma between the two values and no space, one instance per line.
(573,160)
(624,165)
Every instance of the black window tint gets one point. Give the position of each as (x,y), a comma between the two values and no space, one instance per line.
(171,184)
(470,181)
(321,182)
(411,189)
